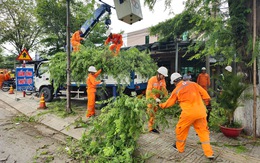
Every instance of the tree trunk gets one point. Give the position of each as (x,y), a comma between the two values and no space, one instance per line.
(242,27)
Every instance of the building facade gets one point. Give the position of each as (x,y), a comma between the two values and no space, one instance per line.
(139,37)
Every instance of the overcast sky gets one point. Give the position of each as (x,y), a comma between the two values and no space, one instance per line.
(150,18)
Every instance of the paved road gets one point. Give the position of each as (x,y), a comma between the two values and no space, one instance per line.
(23,142)
(156,147)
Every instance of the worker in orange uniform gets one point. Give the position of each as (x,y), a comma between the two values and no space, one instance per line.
(75,40)
(203,79)
(2,78)
(91,90)
(117,42)
(155,83)
(190,97)
(8,76)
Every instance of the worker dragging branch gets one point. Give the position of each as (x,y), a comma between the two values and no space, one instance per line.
(190,96)
(156,83)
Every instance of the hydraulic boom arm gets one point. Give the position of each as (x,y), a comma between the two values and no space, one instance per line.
(89,24)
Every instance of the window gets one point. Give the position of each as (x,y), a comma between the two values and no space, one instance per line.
(43,68)
(147,39)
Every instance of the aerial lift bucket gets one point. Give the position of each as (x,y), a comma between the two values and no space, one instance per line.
(128,11)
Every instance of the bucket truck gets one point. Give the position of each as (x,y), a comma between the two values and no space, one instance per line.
(136,84)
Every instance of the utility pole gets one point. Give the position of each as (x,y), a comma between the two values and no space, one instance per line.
(254,71)
(176,55)
(68,108)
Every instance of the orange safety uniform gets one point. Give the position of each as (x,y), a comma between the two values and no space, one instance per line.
(91,90)
(153,83)
(75,41)
(117,42)
(204,80)
(190,97)
(7,76)
(2,79)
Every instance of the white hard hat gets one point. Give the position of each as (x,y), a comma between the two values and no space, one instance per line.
(175,76)
(108,31)
(228,68)
(203,68)
(92,69)
(83,30)
(163,70)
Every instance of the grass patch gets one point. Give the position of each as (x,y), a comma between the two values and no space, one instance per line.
(238,148)
(59,108)
(23,118)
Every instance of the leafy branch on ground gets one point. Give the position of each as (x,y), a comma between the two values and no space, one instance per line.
(23,118)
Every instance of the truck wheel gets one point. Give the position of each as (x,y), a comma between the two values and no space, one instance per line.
(48,96)
(5,87)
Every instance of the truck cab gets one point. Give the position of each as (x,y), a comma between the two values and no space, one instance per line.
(42,82)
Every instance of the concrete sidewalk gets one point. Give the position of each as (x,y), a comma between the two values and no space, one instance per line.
(158,147)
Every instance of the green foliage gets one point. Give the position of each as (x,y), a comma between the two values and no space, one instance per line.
(23,118)
(173,28)
(238,148)
(57,108)
(118,67)
(58,66)
(151,3)
(217,116)
(230,96)
(166,117)
(7,61)
(239,12)
(113,137)
(51,14)
(216,31)
(18,24)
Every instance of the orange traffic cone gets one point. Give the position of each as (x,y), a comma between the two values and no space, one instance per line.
(11,90)
(42,103)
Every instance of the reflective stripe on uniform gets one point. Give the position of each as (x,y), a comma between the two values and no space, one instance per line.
(185,84)
(205,142)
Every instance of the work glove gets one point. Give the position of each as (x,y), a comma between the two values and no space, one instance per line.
(157,100)
(209,107)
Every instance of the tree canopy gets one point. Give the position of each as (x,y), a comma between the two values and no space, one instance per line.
(40,25)
(221,28)
(52,16)
(18,25)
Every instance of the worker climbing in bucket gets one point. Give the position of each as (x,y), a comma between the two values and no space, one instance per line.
(75,40)
(116,40)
